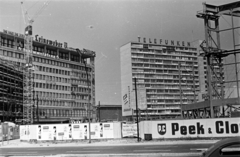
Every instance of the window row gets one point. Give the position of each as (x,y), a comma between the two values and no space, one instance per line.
(43,60)
(40,49)
(52,95)
(62,113)
(42,102)
(61,87)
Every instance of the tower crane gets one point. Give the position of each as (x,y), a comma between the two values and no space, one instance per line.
(28,68)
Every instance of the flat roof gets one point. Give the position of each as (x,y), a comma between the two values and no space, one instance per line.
(206,104)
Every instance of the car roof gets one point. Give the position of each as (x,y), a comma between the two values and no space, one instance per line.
(223,142)
(228,140)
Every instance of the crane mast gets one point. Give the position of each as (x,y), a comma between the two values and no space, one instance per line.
(28,82)
(28,76)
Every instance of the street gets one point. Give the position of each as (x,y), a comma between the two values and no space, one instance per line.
(164,150)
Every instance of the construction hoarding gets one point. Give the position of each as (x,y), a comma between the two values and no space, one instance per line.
(69,131)
(191,128)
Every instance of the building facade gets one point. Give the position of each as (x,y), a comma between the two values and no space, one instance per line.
(61,90)
(167,77)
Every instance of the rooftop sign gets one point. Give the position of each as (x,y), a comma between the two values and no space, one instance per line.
(164,42)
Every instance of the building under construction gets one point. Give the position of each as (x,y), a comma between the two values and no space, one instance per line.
(11,91)
(222,97)
(63,80)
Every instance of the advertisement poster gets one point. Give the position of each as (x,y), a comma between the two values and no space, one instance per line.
(33,135)
(24,132)
(95,130)
(141,97)
(45,132)
(76,131)
(107,130)
(62,131)
(126,101)
(129,130)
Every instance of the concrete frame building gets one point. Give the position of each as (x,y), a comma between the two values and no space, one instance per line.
(61,92)
(167,73)
(11,91)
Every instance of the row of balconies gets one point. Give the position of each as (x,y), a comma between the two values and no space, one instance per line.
(156,54)
(170,83)
(163,108)
(147,67)
(154,59)
(162,87)
(161,113)
(136,50)
(162,60)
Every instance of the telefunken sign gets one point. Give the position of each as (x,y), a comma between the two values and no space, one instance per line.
(165,42)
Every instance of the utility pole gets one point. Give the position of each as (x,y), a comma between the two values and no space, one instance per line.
(99,111)
(37,110)
(135,80)
(89,122)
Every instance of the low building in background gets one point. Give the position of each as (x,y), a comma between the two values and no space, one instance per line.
(109,112)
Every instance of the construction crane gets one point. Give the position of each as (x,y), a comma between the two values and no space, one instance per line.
(28,69)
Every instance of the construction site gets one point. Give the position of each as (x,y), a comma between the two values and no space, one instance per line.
(11,98)
(44,81)
(24,98)
(221,26)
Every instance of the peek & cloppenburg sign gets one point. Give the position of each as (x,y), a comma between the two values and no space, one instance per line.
(218,127)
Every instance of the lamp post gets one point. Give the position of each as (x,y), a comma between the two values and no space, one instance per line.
(37,110)
(135,80)
(89,122)
(89,94)
(99,112)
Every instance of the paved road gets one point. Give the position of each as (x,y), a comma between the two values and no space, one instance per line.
(189,149)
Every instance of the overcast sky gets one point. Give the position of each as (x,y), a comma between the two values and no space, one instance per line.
(105,25)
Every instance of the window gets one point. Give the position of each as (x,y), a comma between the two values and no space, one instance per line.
(230,150)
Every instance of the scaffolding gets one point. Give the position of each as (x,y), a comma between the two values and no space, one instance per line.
(217,102)
(11,90)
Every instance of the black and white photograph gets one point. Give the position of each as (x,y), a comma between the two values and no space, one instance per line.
(120,78)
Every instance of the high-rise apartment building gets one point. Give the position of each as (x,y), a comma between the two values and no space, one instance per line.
(167,74)
(61,88)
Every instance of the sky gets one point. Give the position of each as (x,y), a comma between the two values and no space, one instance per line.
(105,25)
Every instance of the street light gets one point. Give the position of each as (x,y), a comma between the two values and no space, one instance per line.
(89,94)
(135,83)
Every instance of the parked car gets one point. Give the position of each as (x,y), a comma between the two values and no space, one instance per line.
(229,147)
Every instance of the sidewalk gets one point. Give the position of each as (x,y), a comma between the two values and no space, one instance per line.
(107,142)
